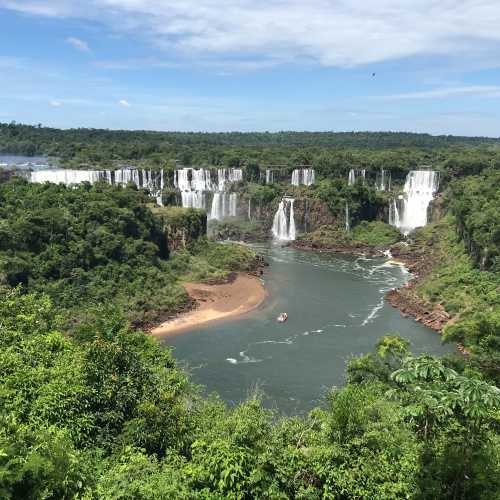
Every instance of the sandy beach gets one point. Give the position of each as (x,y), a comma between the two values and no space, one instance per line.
(215,303)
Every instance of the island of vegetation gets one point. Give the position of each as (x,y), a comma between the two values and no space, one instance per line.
(93,407)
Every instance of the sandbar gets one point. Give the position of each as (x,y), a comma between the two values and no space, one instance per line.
(215,303)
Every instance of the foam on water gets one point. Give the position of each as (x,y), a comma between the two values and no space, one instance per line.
(373,313)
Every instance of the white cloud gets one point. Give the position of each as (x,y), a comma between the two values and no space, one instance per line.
(440,93)
(339,33)
(55,104)
(124,103)
(78,44)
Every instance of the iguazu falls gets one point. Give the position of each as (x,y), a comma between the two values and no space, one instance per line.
(249,250)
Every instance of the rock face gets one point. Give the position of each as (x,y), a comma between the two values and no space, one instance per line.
(407,301)
(182,225)
(310,214)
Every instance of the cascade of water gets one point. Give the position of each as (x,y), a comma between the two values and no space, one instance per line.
(394,214)
(363,174)
(280,227)
(419,190)
(233,204)
(309,176)
(352,177)
(291,222)
(65,176)
(141,178)
(249,209)
(235,175)
(216,210)
(304,176)
(347,223)
(383,181)
(284,229)
(193,199)
(270,176)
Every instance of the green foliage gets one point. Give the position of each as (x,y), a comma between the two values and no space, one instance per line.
(366,235)
(90,245)
(239,230)
(106,414)
(475,202)
(376,233)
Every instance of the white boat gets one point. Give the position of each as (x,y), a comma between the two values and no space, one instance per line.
(282,317)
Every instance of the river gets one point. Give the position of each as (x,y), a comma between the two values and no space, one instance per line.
(336,310)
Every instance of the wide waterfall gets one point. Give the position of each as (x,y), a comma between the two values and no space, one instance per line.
(410,210)
(142,178)
(68,177)
(305,176)
(224,205)
(283,225)
(193,199)
(195,183)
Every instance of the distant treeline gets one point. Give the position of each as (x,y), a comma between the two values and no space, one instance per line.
(327,149)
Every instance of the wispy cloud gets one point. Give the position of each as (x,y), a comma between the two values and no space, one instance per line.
(55,104)
(442,93)
(124,103)
(341,34)
(78,44)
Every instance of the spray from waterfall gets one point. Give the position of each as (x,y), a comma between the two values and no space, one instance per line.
(409,211)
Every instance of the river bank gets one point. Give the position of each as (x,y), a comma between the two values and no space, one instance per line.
(420,264)
(214,302)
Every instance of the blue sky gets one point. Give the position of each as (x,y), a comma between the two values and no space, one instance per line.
(253,64)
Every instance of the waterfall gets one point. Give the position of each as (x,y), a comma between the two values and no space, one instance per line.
(363,174)
(216,210)
(419,190)
(352,177)
(249,209)
(305,176)
(283,228)
(193,199)
(394,214)
(291,222)
(67,176)
(194,183)
(144,179)
(225,204)
(347,224)
(233,204)
(383,181)
(270,176)
(308,176)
